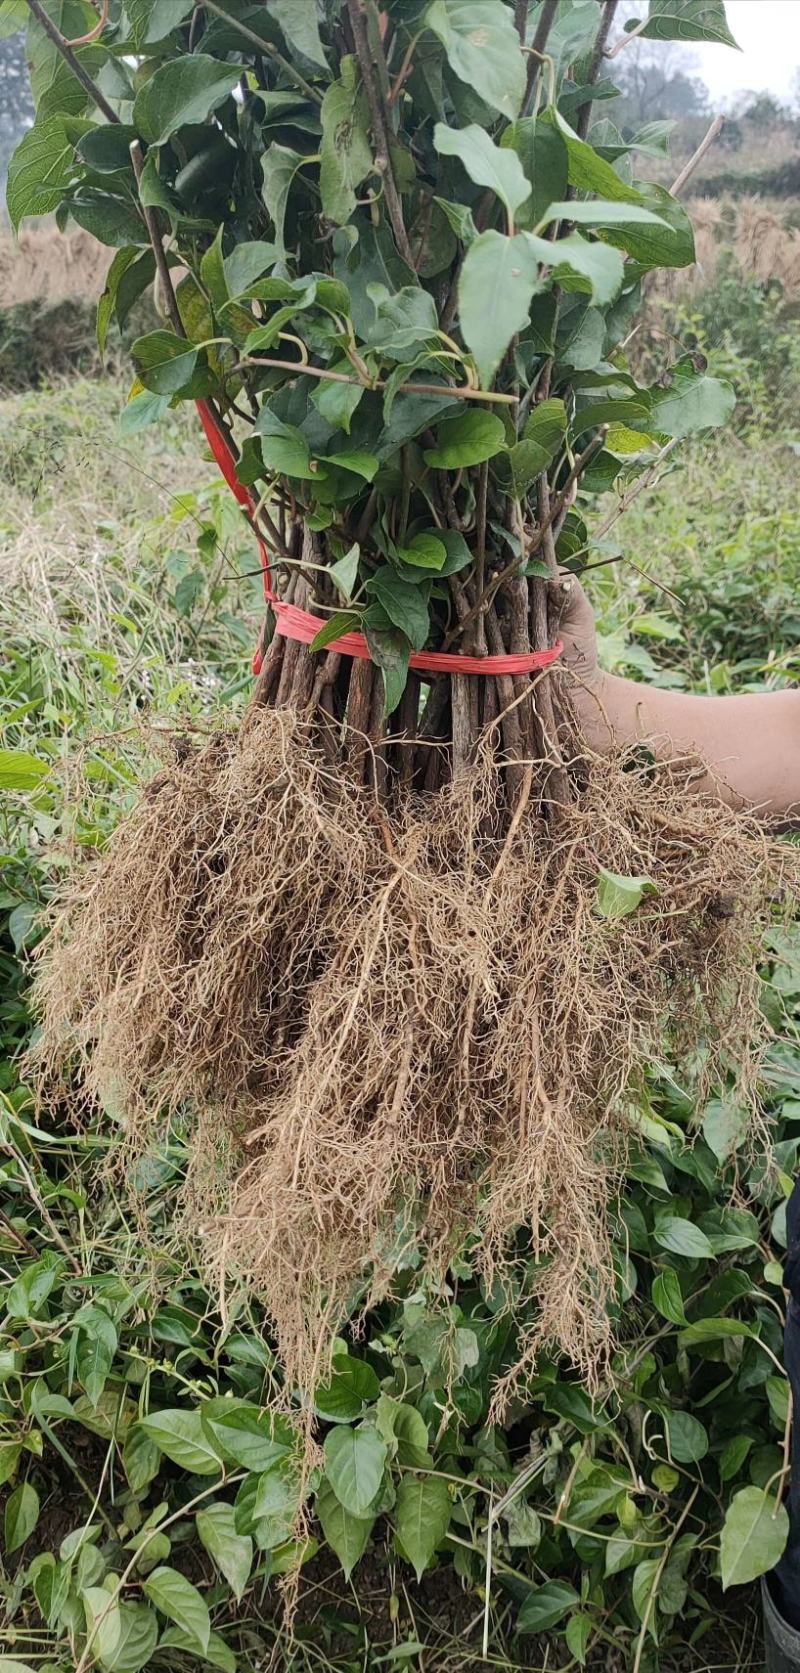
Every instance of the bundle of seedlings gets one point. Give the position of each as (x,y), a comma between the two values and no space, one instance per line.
(398,948)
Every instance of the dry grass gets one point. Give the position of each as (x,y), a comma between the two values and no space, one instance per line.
(399,1031)
(756,231)
(45,264)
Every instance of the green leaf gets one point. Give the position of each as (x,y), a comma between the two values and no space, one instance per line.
(14,15)
(523,1524)
(183,90)
(354,1382)
(106,149)
(667,1297)
(246,263)
(141,1459)
(668,244)
(217,1653)
(10,1454)
(405,603)
(391,652)
(599,213)
(527,461)
(21,1516)
(426,551)
(164,362)
(725,1126)
(346,153)
(468,438)
(543,437)
(141,411)
(360,464)
(347,1535)
(275,1505)
(343,622)
(339,401)
(618,896)
(405,321)
(542,151)
(151,20)
(458,555)
(693,402)
(212,274)
(688,20)
(344,574)
(293,1554)
(586,170)
(118,297)
(688,1439)
(41,169)
(55,88)
(499,278)
(279,165)
(405,1427)
(421,1518)
(108,219)
(486,163)
(601,266)
(245,1435)
(176,1597)
(354,1465)
(701,1331)
(482,48)
(27,1295)
(297,21)
(284,448)
(578,1633)
(98,1345)
(266,336)
(681,1237)
(544,1607)
(181,1437)
(733,1456)
(125,1634)
(778,1393)
(21,771)
(461,220)
(231,1553)
(754,1536)
(547,425)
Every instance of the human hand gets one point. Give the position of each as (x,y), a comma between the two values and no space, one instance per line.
(574,616)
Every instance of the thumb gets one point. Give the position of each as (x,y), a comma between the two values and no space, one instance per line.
(576,625)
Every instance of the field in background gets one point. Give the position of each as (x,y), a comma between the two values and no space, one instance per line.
(45,265)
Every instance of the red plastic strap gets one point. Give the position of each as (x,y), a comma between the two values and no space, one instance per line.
(294,623)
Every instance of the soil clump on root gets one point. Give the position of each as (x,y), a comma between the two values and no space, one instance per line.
(390,1027)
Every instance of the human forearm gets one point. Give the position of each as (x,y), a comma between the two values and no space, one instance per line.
(750,744)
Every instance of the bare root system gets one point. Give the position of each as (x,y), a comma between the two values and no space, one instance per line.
(388,1028)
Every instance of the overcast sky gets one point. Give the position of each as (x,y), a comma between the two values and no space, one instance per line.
(768,32)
